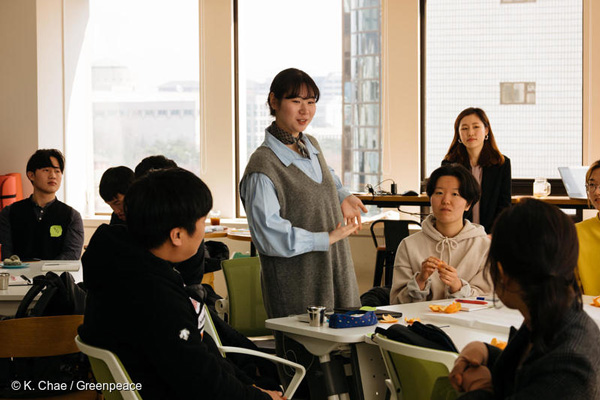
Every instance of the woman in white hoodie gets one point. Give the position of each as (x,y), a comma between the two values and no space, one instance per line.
(447,258)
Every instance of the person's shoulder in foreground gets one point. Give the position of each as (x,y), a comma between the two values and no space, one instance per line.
(554,354)
(137,306)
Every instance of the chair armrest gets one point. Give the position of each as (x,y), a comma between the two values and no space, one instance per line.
(222,307)
(300,371)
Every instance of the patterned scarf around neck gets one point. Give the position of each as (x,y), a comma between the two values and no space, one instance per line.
(287,138)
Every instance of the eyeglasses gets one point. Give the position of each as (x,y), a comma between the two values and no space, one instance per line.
(591,187)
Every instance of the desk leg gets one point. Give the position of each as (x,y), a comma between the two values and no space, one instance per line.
(331,380)
(369,371)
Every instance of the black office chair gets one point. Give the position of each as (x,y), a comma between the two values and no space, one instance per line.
(393,231)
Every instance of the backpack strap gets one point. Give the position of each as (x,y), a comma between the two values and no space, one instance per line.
(39,283)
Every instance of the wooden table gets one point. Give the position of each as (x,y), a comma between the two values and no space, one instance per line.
(395,201)
(244,236)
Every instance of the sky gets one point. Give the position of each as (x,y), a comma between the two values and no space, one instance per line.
(160,43)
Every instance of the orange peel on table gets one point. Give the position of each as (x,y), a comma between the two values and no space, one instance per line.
(498,343)
(410,321)
(449,309)
(596,301)
(388,319)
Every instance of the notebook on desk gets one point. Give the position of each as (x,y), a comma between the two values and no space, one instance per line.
(574,180)
(62,265)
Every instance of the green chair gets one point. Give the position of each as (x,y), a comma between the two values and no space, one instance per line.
(107,368)
(413,370)
(299,371)
(244,304)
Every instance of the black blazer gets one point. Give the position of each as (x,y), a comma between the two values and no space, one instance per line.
(496,193)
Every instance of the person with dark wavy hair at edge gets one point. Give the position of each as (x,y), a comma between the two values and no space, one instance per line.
(474,147)
(588,231)
(137,306)
(41,226)
(555,354)
(113,186)
(447,258)
(295,206)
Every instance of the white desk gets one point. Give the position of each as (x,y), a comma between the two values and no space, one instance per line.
(322,341)
(462,327)
(11,298)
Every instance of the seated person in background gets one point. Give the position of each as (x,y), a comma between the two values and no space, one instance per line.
(475,148)
(588,231)
(447,258)
(137,306)
(114,184)
(191,270)
(152,163)
(41,226)
(555,352)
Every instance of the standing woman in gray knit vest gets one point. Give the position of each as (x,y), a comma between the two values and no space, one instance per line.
(298,212)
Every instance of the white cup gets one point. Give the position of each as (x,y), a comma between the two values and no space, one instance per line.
(541,187)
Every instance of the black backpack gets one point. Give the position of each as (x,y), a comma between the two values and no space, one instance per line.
(60,296)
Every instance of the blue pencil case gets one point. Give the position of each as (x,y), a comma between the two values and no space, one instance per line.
(352,319)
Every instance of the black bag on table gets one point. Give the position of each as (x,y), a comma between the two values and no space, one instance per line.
(60,295)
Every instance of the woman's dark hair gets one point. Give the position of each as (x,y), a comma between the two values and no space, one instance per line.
(151,163)
(162,200)
(536,245)
(469,188)
(457,153)
(289,83)
(114,181)
(41,159)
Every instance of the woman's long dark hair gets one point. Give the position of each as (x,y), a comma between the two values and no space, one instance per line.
(457,153)
(536,245)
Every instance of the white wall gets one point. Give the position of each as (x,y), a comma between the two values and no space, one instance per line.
(18,80)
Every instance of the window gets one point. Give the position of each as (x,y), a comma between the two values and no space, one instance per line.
(338,44)
(362,115)
(144,59)
(521,61)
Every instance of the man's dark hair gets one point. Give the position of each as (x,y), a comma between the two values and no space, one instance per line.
(114,181)
(469,188)
(162,200)
(153,162)
(41,159)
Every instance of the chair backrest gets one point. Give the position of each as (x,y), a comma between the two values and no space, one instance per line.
(413,370)
(247,312)
(108,368)
(43,337)
(299,370)
(39,336)
(393,231)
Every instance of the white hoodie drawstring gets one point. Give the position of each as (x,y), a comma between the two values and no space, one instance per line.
(446,243)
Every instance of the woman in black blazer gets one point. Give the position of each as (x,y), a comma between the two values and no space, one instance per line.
(474,147)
